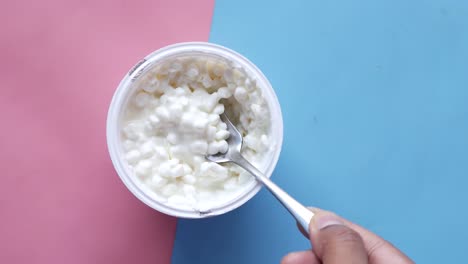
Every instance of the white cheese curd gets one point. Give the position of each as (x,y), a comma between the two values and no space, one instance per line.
(172,121)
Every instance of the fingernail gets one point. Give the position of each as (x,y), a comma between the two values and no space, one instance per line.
(314,209)
(323,221)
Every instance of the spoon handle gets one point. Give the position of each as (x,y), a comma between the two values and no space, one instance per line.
(302,215)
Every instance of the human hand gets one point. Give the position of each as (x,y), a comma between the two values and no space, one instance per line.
(338,241)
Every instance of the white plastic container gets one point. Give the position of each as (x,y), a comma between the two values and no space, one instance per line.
(126,88)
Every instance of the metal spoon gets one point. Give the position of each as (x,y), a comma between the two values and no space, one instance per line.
(302,215)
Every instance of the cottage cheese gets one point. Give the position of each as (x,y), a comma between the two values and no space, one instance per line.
(172,122)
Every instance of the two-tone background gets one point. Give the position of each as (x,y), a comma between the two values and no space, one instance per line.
(374,96)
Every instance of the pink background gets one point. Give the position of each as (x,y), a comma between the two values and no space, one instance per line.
(60,199)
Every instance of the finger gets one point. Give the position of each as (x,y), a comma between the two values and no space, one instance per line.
(378,249)
(300,257)
(336,243)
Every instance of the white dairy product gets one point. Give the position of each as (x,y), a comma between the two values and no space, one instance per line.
(172,122)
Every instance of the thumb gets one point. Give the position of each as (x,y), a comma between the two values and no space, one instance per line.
(335,243)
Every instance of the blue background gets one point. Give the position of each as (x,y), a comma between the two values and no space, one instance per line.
(374,97)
